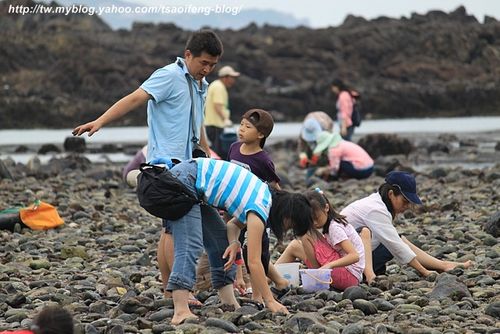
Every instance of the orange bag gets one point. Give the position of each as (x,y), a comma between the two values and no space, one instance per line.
(40,216)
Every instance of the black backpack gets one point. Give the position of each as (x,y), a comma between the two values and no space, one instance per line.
(163,195)
(356,116)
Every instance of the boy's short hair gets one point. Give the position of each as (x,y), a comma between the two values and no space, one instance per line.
(263,122)
(204,40)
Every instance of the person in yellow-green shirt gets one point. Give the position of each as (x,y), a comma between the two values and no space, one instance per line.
(216,106)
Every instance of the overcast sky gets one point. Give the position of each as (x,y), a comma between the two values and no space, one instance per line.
(322,13)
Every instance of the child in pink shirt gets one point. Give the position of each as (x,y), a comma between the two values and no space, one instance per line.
(337,247)
(344,157)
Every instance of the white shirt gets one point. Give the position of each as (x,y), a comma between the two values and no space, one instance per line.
(371,212)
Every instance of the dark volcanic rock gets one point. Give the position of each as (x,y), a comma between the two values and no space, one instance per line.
(385,144)
(74,144)
(493,309)
(493,225)
(48,148)
(410,67)
(447,286)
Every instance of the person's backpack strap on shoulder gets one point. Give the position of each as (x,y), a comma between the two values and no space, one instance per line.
(163,195)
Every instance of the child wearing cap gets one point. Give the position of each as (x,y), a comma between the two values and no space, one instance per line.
(256,125)
(381,240)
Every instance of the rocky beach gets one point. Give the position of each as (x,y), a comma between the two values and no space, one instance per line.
(101,265)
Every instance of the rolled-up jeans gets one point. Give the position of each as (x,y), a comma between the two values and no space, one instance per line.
(202,227)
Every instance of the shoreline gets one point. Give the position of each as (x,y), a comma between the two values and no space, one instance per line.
(467,126)
(481,154)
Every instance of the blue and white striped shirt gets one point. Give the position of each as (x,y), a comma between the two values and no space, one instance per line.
(233,188)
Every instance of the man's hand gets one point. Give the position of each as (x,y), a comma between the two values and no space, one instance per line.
(90,127)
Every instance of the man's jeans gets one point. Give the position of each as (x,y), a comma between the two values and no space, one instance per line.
(202,227)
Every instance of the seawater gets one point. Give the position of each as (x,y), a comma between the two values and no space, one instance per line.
(281,130)
(9,139)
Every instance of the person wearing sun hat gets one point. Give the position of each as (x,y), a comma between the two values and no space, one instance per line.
(373,218)
(345,158)
(314,123)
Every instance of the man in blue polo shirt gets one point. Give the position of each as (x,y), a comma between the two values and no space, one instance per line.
(168,97)
(169,102)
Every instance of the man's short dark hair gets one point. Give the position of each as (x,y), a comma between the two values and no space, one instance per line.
(205,40)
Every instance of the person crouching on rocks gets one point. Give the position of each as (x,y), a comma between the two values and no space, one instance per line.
(227,186)
(338,246)
(345,158)
(375,215)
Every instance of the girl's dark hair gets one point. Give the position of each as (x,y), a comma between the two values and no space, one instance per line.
(341,85)
(291,208)
(53,320)
(318,202)
(383,190)
(205,40)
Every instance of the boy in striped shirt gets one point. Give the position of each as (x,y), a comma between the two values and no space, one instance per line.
(224,185)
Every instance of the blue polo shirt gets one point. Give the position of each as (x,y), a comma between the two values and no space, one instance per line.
(169,111)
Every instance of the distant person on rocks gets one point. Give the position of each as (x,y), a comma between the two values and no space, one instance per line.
(50,320)
(346,98)
(172,130)
(345,159)
(217,113)
(338,246)
(131,170)
(313,124)
(252,204)
(373,217)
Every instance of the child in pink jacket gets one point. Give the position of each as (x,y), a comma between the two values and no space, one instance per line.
(345,158)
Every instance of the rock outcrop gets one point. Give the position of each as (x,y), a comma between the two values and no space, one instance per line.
(58,70)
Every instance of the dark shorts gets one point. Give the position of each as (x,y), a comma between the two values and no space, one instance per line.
(265,255)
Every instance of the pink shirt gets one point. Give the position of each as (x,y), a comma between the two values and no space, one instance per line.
(351,152)
(339,232)
(344,107)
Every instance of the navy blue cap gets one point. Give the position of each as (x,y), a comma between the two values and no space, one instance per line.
(406,183)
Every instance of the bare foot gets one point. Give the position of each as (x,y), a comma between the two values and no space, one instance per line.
(257,298)
(179,318)
(193,301)
(449,265)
